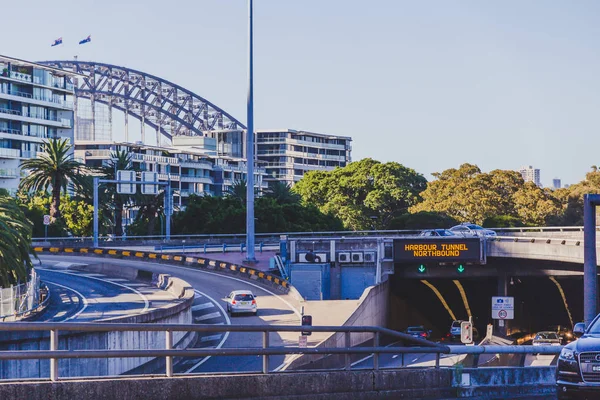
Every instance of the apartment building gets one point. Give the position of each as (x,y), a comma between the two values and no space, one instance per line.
(36,103)
(190,172)
(288,154)
(531,174)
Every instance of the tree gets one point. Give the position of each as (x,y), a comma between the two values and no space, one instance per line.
(55,169)
(238,191)
(467,194)
(150,207)
(364,194)
(77,215)
(119,160)
(15,242)
(423,220)
(282,193)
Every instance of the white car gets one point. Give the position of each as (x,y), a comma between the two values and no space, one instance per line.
(546,338)
(241,301)
(472,230)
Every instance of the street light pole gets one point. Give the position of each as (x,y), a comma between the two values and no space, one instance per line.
(250,149)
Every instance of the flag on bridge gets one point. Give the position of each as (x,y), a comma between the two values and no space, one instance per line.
(57,42)
(86,40)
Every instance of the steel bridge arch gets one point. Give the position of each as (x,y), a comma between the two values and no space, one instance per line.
(165,106)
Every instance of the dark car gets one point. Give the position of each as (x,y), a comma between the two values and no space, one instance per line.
(418,332)
(578,368)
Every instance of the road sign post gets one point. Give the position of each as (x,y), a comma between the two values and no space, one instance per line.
(46,223)
(503,308)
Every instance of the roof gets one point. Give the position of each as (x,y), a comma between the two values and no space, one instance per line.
(55,71)
(301,132)
(242,292)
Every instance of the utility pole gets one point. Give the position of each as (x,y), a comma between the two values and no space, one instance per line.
(250,149)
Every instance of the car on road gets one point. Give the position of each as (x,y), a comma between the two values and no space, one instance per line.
(578,366)
(418,332)
(546,338)
(471,230)
(564,333)
(241,301)
(436,233)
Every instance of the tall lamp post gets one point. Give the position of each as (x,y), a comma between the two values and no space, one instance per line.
(250,149)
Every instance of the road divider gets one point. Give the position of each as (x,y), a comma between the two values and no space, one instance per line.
(194,262)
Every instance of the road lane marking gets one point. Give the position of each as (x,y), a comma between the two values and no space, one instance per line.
(83,299)
(222,342)
(208,316)
(146,302)
(203,306)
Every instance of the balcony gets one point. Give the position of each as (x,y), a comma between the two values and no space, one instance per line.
(153,158)
(21,76)
(9,173)
(28,154)
(197,179)
(10,153)
(64,122)
(57,102)
(11,131)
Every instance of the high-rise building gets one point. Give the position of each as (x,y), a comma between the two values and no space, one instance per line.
(35,104)
(289,154)
(531,174)
(556,183)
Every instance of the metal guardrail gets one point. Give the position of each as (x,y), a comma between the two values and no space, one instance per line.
(54,354)
(398,232)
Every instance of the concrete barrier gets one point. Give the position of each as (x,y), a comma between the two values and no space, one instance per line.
(241,271)
(178,312)
(412,383)
(372,310)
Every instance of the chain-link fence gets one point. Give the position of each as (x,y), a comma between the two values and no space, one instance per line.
(19,299)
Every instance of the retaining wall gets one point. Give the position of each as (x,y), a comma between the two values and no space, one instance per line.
(179,312)
(372,310)
(391,384)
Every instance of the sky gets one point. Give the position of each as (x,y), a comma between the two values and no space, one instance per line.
(429,84)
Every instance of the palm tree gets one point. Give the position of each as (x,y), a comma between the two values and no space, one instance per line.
(282,193)
(55,169)
(119,160)
(15,242)
(238,191)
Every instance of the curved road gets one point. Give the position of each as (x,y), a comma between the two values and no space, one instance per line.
(209,307)
(81,297)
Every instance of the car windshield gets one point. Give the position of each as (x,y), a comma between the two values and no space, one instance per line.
(546,335)
(474,227)
(456,324)
(244,297)
(415,329)
(444,232)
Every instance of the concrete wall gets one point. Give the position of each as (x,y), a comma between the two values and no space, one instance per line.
(556,249)
(179,312)
(409,383)
(372,310)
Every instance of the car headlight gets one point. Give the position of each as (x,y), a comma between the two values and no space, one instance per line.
(567,354)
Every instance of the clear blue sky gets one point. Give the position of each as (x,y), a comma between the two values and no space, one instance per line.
(430,84)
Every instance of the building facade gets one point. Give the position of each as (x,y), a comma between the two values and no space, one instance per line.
(531,174)
(288,154)
(36,103)
(190,173)
(556,184)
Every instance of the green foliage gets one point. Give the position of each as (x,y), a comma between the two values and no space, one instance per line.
(467,194)
(78,216)
(423,220)
(502,221)
(15,243)
(113,202)
(207,214)
(54,169)
(365,194)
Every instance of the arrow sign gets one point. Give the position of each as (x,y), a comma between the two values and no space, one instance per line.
(421,268)
(460,269)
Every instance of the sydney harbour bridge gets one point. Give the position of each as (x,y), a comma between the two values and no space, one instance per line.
(165,107)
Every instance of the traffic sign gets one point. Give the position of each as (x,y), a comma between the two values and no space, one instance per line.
(302,341)
(46,220)
(149,188)
(503,308)
(460,269)
(126,188)
(422,269)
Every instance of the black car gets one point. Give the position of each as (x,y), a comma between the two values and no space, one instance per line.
(578,368)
